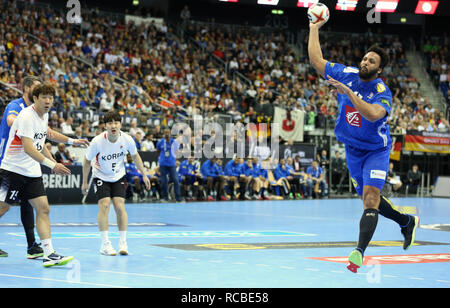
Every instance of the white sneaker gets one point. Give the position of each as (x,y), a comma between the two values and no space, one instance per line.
(123,248)
(107,249)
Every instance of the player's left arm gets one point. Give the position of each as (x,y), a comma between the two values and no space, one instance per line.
(371,112)
(140,166)
(132,149)
(60,138)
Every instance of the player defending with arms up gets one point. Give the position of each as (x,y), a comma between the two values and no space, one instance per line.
(109,150)
(364,104)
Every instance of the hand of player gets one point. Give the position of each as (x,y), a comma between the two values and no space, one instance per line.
(146,182)
(84,188)
(61,169)
(340,87)
(81,143)
(317,25)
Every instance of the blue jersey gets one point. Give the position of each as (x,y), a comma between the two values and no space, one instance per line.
(315,173)
(167,152)
(186,168)
(233,169)
(210,169)
(15,107)
(281,172)
(131,171)
(250,171)
(352,128)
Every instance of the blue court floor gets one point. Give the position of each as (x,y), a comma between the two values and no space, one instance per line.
(246,244)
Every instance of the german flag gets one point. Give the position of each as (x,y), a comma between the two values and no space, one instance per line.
(428,142)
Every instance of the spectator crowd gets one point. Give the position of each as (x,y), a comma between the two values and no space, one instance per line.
(156,77)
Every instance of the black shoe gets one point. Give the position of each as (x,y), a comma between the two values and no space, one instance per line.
(35,251)
(409,232)
(3,253)
(56,259)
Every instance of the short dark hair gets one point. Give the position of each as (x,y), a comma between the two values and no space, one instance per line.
(384,56)
(28,81)
(112,116)
(44,89)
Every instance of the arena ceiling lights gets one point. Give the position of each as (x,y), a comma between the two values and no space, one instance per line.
(306,3)
(268,2)
(346,5)
(426,7)
(386,6)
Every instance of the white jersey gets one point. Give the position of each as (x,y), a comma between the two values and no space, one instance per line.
(27,124)
(109,157)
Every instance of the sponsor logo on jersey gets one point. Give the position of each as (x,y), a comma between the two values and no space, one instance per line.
(355,184)
(386,102)
(350,69)
(352,116)
(378,174)
(380,87)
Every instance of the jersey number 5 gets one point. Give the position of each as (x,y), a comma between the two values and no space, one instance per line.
(113,166)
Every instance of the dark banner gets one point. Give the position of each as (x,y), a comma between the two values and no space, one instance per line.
(67,188)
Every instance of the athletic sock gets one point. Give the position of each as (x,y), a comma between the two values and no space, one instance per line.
(104,236)
(367,226)
(27,217)
(123,236)
(47,247)
(389,212)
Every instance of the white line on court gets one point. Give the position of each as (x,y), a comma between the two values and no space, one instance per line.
(66,281)
(142,275)
(287,267)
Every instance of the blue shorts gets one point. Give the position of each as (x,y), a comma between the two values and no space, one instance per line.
(367,167)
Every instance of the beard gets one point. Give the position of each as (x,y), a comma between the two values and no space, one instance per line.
(367,74)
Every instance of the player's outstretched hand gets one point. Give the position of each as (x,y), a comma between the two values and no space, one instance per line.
(84,143)
(61,169)
(317,24)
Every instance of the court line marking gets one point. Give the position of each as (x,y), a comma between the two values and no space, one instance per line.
(141,275)
(66,281)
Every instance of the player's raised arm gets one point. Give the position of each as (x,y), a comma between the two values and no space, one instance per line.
(60,138)
(314,50)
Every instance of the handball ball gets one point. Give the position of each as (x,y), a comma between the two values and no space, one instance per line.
(318,12)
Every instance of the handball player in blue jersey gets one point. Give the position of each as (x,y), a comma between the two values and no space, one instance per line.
(364,105)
